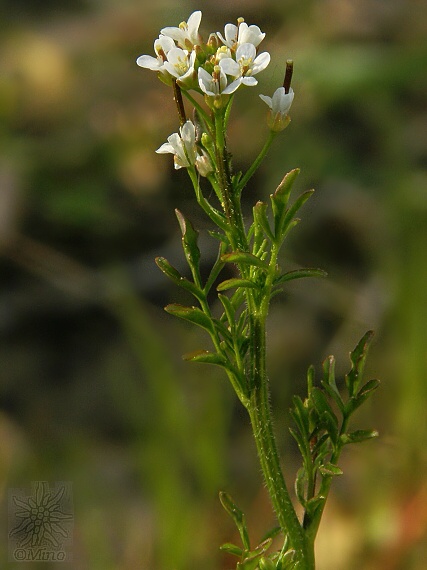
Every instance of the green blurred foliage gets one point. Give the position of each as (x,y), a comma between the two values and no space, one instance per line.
(93,389)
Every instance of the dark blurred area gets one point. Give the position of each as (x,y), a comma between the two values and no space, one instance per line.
(93,389)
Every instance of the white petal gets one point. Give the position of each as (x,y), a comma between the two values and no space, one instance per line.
(230,67)
(267,100)
(245,51)
(282,101)
(249,81)
(149,62)
(232,87)
(205,81)
(188,133)
(166,147)
(261,62)
(164,43)
(193,24)
(230,32)
(250,34)
(175,33)
(177,55)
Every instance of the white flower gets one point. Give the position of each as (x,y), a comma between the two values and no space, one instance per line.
(162,46)
(203,164)
(246,65)
(241,34)
(280,102)
(182,146)
(187,34)
(279,105)
(180,63)
(215,84)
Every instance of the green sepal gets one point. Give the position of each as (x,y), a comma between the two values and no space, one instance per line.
(359,436)
(358,358)
(235,282)
(173,274)
(192,315)
(260,217)
(206,357)
(299,274)
(330,470)
(238,517)
(245,258)
(231,549)
(189,242)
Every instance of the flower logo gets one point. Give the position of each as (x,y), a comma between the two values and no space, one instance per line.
(41,521)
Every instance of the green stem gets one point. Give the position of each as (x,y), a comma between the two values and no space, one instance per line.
(262,426)
(200,110)
(257,162)
(230,199)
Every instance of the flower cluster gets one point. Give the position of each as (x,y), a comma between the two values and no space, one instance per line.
(216,69)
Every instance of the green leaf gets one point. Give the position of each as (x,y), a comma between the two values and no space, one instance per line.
(217,268)
(287,561)
(290,213)
(358,358)
(300,415)
(367,389)
(301,486)
(189,242)
(330,423)
(206,357)
(280,198)
(313,506)
(177,278)
(252,559)
(266,564)
(192,315)
(359,436)
(279,202)
(299,274)
(244,258)
(320,402)
(272,533)
(303,444)
(260,217)
(356,401)
(329,383)
(231,549)
(238,517)
(329,469)
(235,282)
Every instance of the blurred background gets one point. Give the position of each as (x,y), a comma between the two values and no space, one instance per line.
(93,389)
